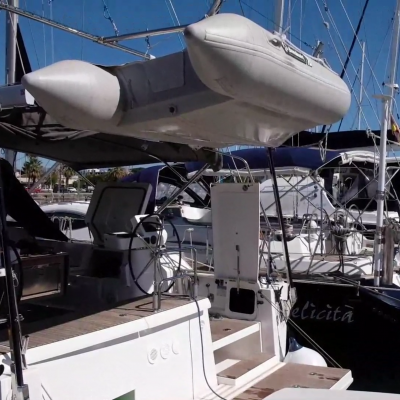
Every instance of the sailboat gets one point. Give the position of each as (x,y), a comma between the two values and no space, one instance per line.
(127,346)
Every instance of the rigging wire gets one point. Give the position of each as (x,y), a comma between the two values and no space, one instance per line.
(355,32)
(270,20)
(355,37)
(346,74)
(390,26)
(388,55)
(44,36)
(352,89)
(241,7)
(175,22)
(107,15)
(291,8)
(359,42)
(372,72)
(83,27)
(51,32)
(351,63)
(302,12)
(293,324)
(33,40)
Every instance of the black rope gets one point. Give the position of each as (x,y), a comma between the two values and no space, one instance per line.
(280,214)
(241,7)
(351,49)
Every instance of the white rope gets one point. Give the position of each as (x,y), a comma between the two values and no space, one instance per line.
(352,64)
(33,40)
(174,21)
(44,36)
(346,73)
(360,44)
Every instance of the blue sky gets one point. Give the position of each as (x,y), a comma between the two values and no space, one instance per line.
(46,45)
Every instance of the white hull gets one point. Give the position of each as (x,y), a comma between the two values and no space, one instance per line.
(235,57)
(146,355)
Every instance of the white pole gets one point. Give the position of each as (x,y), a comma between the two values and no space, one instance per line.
(361,85)
(380,192)
(11,44)
(279,12)
(394,56)
(11,56)
(387,101)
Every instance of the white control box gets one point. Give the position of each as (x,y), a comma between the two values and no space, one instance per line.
(15,96)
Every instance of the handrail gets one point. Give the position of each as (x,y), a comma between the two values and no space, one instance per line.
(214,9)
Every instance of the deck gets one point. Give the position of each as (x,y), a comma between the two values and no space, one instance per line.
(294,376)
(72,324)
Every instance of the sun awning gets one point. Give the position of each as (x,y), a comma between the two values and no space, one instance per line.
(32,131)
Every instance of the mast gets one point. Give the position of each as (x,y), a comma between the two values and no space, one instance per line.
(361,84)
(392,86)
(279,13)
(11,59)
(387,103)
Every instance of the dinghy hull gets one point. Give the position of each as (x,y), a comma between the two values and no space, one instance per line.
(264,96)
(237,58)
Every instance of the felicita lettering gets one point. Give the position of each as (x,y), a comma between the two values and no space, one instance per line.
(309,311)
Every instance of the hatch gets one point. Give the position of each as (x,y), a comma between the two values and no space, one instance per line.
(113,205)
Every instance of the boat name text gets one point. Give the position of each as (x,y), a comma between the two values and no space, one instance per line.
(309,311)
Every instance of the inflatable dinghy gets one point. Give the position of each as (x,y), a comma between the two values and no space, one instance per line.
(235,84)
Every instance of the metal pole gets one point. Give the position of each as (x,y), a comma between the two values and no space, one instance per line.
(43,178)
(280,214)
(279,13)
(318,49)
(11,57)
(350,52)
(386,112)
(361,84)
(60,178)
(380,192)
(214,9)
(182,188)
(65,28)
(388,261)
(111,41)
(14,326)
(394,56)
(143,34)
(11,44)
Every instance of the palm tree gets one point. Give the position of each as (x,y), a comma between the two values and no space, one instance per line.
(32,168)
(115,174)
(52,179)
(68,174)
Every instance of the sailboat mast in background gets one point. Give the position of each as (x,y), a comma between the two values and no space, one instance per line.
(387,102)
(279,13)
(392,87)
(361,85)
(11,60)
